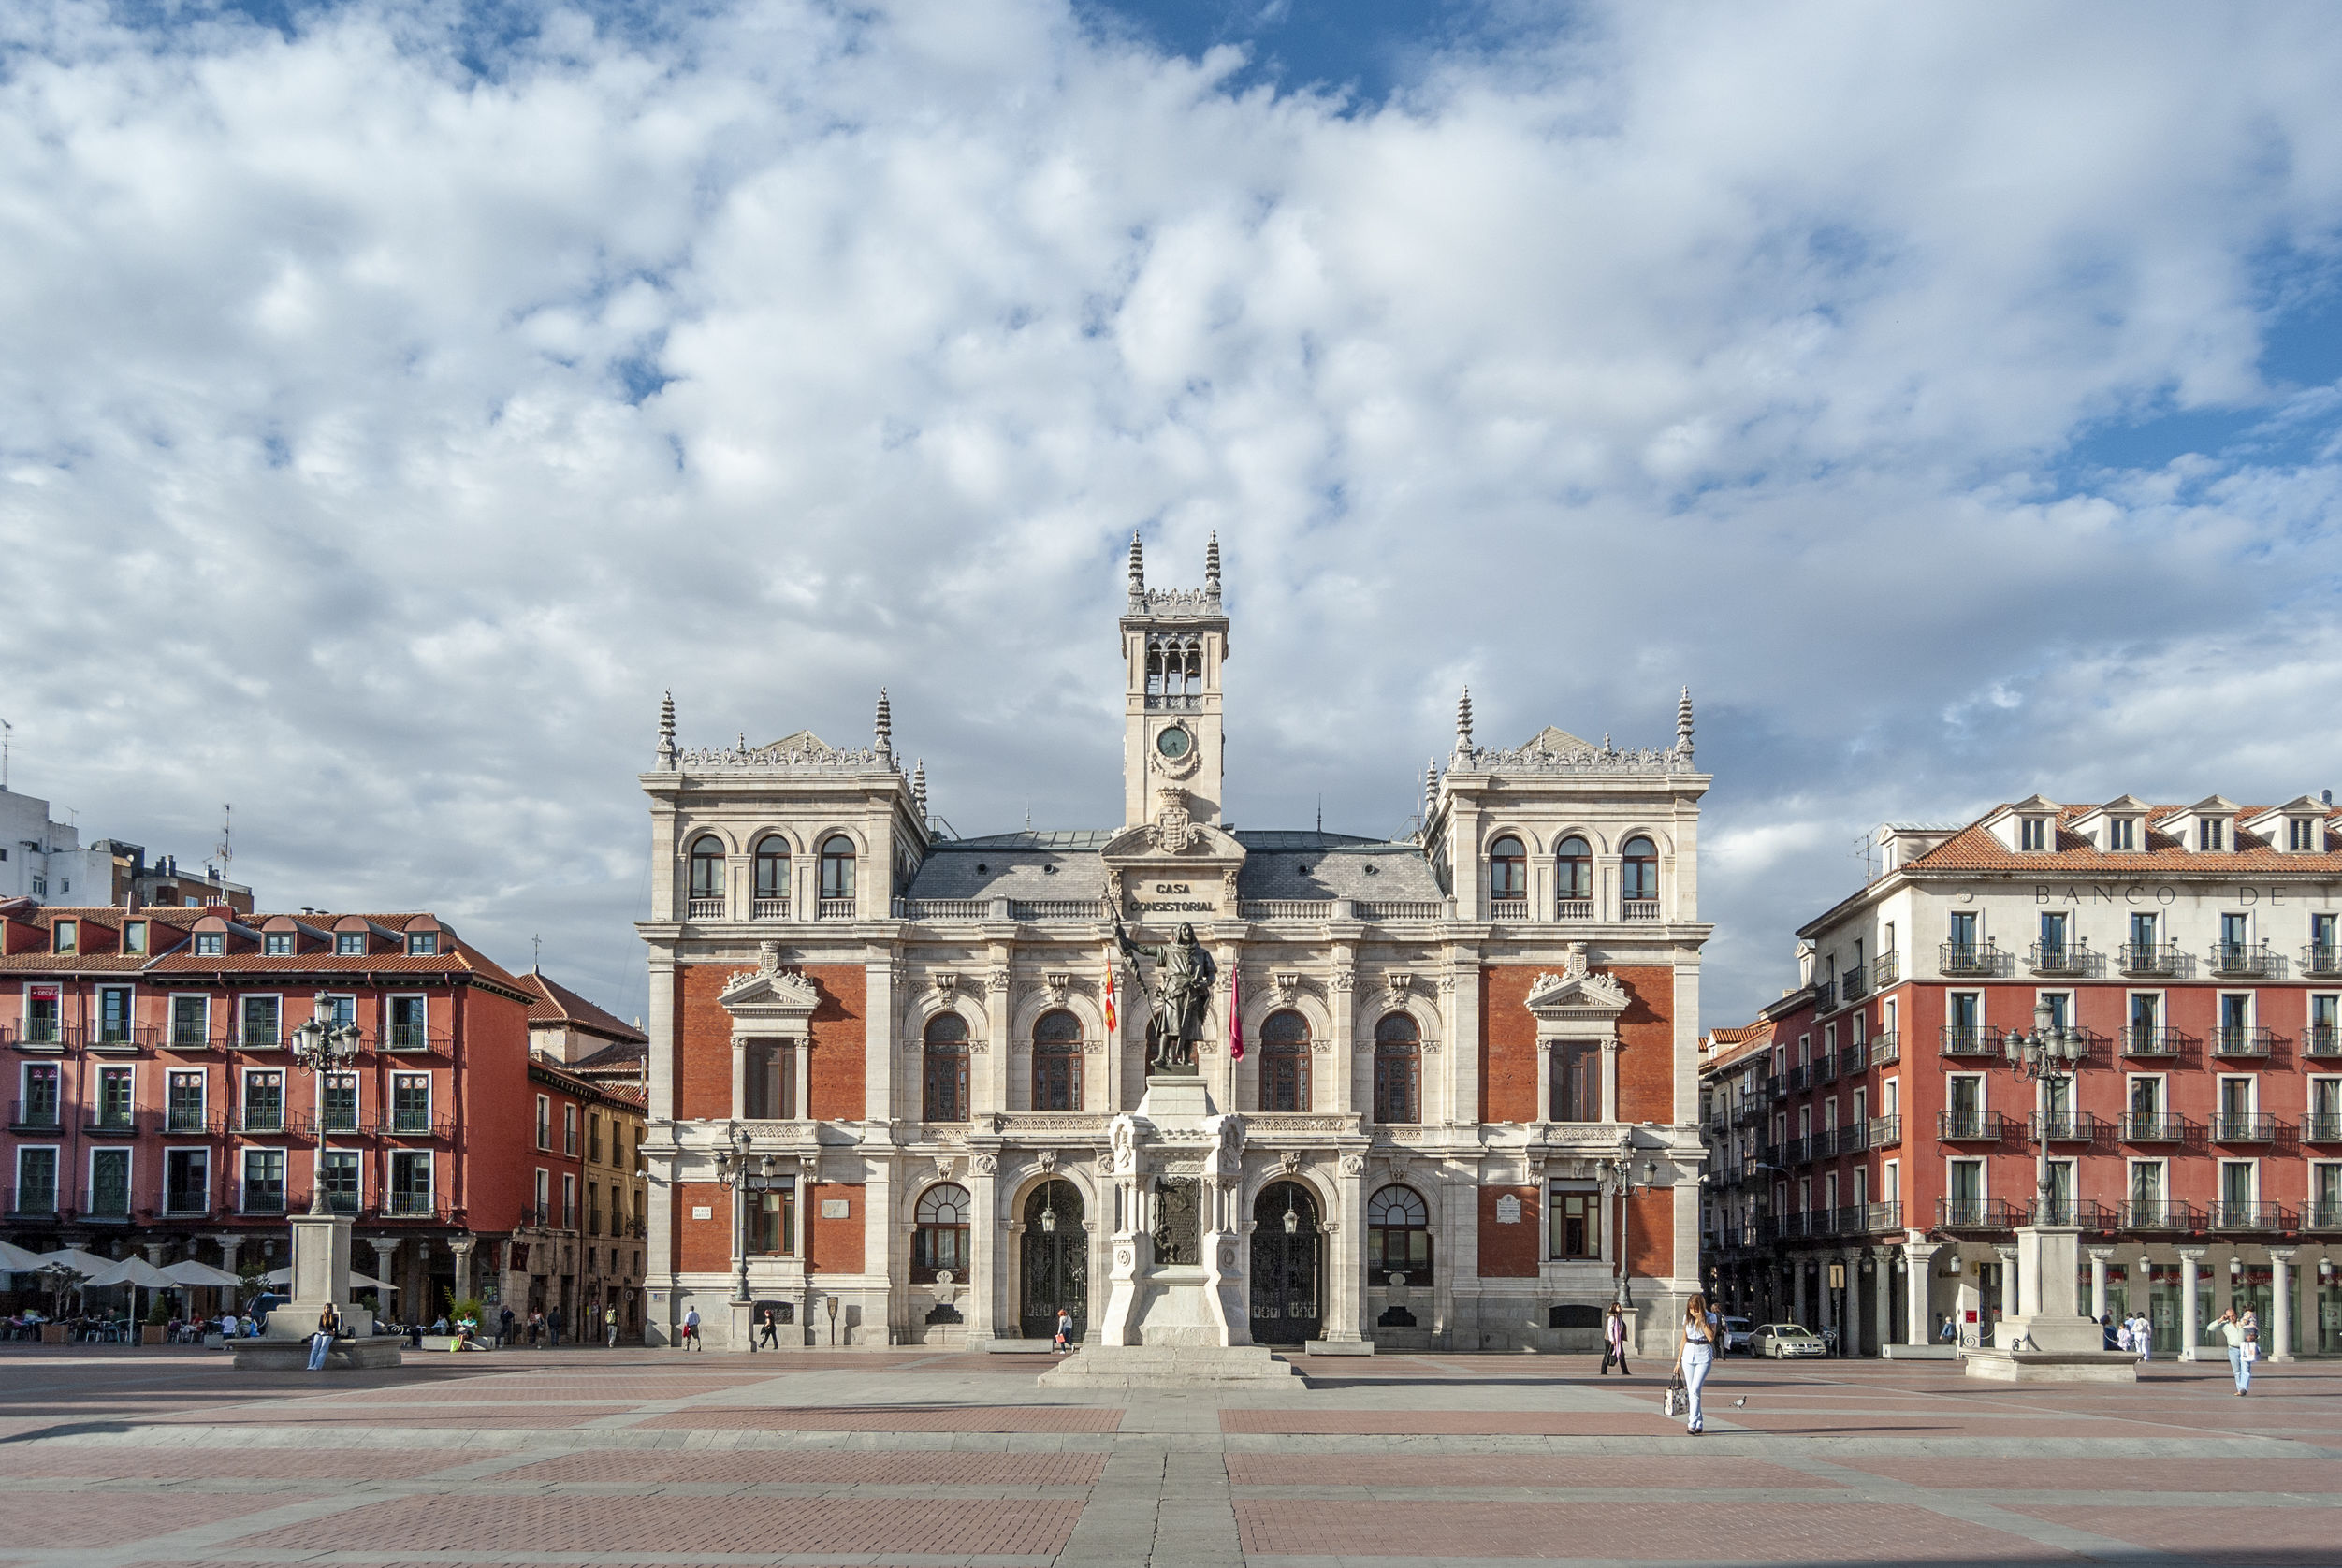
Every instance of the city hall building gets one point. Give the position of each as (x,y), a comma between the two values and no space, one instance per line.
(883,1060)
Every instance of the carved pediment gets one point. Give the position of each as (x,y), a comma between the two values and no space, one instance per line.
(1581,995)
(1205,846)
(781,1000)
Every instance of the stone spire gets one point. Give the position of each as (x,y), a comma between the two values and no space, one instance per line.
(1138,573)
(666,731)
(1683,722)
(919,788)
(882,726)
(1212,567)
(1463,720)
(1431,791)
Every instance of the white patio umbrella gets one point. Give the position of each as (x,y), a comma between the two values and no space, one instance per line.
(74,1258)
(138,1274)
(356,1281)
(16,1260)
(187,1270)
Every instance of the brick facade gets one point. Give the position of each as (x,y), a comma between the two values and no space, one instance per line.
(1510,1252)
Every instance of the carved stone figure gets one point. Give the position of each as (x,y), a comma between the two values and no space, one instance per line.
(1180,998)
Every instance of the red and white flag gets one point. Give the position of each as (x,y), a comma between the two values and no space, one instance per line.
(1235,1016)
(1112,981)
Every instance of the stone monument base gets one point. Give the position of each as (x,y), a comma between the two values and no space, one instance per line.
(275,1355)
(1166,1366)
(2051,1366)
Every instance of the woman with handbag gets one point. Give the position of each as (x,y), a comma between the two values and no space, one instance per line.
(1703,1332)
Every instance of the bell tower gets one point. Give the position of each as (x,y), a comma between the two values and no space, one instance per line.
(1175,642)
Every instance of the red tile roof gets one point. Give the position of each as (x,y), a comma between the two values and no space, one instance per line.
(552,1002)
(1974,848)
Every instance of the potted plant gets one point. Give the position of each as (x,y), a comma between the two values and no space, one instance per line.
(157,1323)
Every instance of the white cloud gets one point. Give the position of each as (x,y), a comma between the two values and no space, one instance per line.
(383,438)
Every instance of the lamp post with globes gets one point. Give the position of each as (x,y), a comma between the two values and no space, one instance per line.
(323,1044)
(2052,1057)
(736,1165)
(1623,1176)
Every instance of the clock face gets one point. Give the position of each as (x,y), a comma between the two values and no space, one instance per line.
(1174,743)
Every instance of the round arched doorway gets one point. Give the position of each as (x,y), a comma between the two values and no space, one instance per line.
(1055,1271)
(1287,1265)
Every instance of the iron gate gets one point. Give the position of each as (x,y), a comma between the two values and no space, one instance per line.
(1287,1272)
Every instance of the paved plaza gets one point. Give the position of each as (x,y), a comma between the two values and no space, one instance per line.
(907,1457)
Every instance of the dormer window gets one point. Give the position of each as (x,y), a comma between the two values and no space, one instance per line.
(2301,833)
(2032,833)
(210,944)
(423,944)
(134,937)
(277,944)
(66,936)
(2211,833)
(2122,832)
(350,944)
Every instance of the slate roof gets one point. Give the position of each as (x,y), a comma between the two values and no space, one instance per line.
(1014,865)
(1298,864)
(1305,864)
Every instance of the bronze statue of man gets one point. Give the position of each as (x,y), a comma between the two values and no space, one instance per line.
(1182,997)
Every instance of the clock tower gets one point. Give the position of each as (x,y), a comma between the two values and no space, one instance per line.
(1175,642)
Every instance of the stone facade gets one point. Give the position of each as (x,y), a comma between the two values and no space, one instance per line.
(883,1062)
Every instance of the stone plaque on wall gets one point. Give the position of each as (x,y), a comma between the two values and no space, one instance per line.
(1178,1221)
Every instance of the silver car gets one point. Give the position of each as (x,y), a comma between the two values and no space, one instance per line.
(1784,1341)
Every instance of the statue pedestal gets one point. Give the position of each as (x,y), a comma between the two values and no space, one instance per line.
(2046,1340)
(320,1274)
(1175,1311)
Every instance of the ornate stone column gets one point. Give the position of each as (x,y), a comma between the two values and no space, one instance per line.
(983,1249)
(2279,1343)
(461,1246)
(1918,1290)
(1882,1286)
(2190,1259)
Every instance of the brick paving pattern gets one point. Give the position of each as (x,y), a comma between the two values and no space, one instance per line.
(911,1460)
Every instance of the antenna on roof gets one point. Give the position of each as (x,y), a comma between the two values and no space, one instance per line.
(6,729)
(536,955)
(1321,812)
(225,849)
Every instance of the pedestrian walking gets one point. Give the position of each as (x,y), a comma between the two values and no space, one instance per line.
(2240,1349)
(1703,1330)
(553,1329)
(1614,1342)
(2142,1337)
(1064,1342)
(536,1328)
(691,1328)
(610,1327)
(504,1320)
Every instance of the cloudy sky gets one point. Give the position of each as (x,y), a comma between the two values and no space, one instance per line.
(397,397)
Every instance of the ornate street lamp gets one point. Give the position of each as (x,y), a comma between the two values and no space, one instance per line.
(2051,1056)
(735,1167)
(324,1044)
(1622,1176)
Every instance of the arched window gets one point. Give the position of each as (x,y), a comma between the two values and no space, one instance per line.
(1285,1061)
(1398,1236)
(1057,1062)
(946,1096)
(1507,869)
(1398,1070)
(940,1237)
(1639,870)
(707,867)
(838,866)
(1577,870)
(772,866)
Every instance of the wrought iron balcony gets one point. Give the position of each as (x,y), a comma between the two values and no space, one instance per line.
(1801,1078)
(1975,1213)
(2321,962)
(1888,1049)
(2251,960)
(1853,1059)
(2065,958)
(1797,1151)
(1885,970)
(2323,1129)
(1777,1086)
(2142,1127)
(182,1119)
(410,1124)
(2227,1128)
(118,1123)
(1885,1131)
(2138,1040)
(1826,1068)
(2321,1042)
(1969,1040)
(415,1038)
(2070,1127)
(2250,1216)
(125,1036)
(2149,958)
(2235,1042)
(1877,1217)
(1825,995)
(2322,1216)
(1980,1127)
(1853,1137)
(2156,1214)
(1751,1112)
(1853,986)
(38,1116)
(1971,958)
(41,1034)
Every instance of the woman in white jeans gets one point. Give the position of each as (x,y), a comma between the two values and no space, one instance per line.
(1702,1332)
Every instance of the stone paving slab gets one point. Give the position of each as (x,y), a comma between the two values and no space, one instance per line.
(820,1460)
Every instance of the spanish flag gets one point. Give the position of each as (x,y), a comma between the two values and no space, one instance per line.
(1111,1025)
(1236,1015)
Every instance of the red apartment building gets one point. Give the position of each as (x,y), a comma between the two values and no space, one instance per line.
(155,1101)
(1873,1149)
